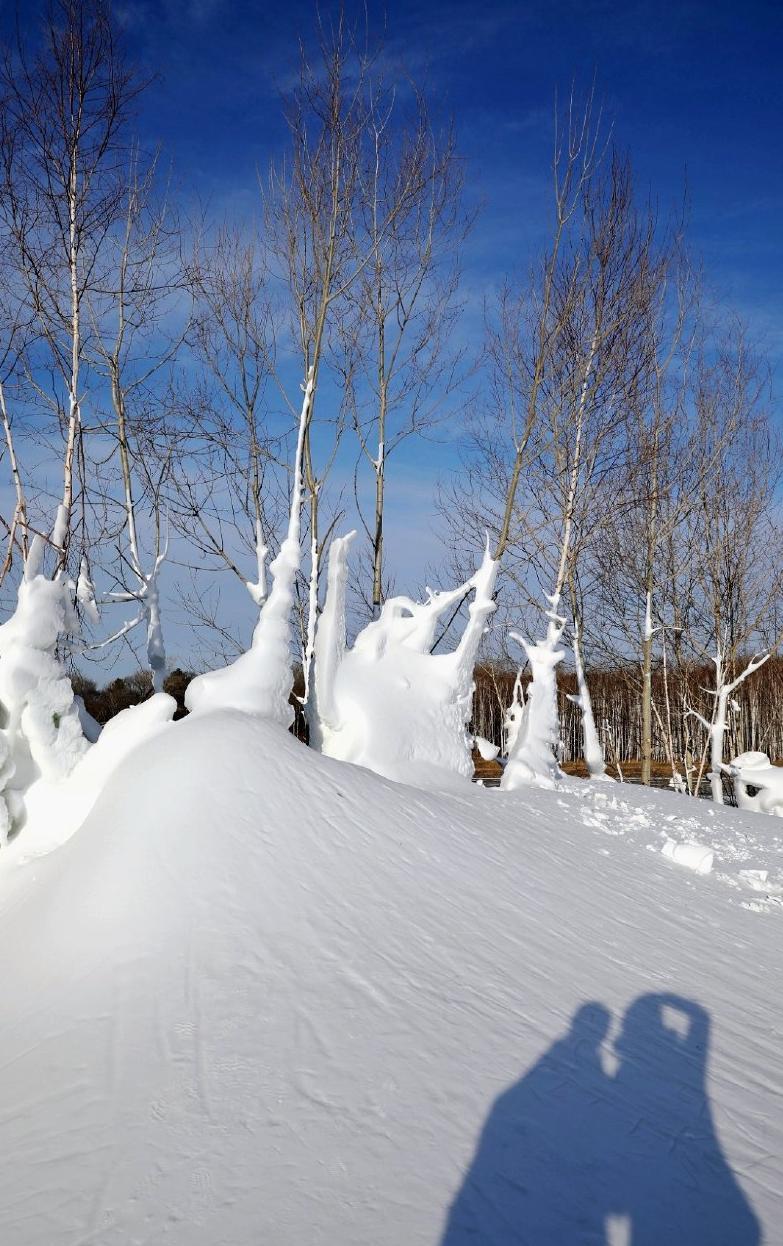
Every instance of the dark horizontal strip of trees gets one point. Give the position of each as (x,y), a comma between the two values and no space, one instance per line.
(755,721)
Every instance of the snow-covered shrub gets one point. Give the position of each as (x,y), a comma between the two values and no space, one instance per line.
(754,770)
(388,702)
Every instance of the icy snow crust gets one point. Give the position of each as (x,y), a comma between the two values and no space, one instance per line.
(266,997)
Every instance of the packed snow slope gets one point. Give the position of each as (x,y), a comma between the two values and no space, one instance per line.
(264,998)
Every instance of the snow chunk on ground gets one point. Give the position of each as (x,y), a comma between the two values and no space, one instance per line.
(691,856)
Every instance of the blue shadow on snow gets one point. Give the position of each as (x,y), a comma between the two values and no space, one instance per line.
(570,1149)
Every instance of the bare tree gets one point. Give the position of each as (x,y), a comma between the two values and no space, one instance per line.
(311,208)
(403,307)
(732,524)
(227,503)
(309,211)
(64,159)
(137,328)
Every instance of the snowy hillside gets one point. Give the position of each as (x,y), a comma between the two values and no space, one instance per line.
(267,997)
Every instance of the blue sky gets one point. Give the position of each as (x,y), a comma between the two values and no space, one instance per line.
(694,91)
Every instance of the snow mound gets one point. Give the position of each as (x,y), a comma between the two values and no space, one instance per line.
(263,996)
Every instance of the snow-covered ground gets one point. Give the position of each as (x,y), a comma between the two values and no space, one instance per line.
(267,997)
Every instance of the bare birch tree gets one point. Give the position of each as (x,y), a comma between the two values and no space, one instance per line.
(138,324)
(64,158)
(404,304)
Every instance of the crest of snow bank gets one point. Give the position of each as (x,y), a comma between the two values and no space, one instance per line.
(388,702)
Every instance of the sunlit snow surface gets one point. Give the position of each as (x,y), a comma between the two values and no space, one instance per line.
(264,997)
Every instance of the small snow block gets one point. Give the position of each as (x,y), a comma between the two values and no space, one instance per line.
(692,856)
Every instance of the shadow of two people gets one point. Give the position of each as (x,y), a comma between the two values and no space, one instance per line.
(571,1149)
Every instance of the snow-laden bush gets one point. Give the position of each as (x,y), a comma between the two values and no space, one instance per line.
(754,770)
(389,703)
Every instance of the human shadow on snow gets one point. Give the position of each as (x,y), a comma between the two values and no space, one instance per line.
(570,1150)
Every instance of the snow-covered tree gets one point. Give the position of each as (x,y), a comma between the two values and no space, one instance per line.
(389,702)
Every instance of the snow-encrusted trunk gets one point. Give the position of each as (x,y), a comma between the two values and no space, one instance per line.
(257,588)
(308,654)
(717,735)
(532,758)
(329,645)
(593,752)
(514,717)
(389,703)
(260,680)
(40,732)
(156,649)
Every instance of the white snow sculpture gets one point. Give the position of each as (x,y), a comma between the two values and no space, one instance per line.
(531,757)
(755,770)
(41,731)
(260,680)
(389,703)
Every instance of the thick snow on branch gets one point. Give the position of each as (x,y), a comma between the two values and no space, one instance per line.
(260,680)
(389,703)
(531,757)
(257,589)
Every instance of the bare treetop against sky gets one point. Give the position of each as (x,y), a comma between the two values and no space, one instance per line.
(694,90)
